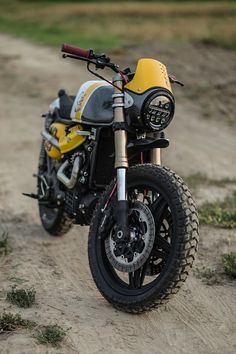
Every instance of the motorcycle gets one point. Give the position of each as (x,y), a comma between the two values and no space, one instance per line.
(100,165)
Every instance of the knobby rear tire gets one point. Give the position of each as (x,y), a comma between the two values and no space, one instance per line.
(60,223)
(184,246)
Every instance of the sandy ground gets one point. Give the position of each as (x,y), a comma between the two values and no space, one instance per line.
(200,319)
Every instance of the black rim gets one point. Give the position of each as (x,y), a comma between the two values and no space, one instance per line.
(143,279)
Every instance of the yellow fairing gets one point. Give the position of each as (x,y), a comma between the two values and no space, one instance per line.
(67,140)
(149,73)
(72,140)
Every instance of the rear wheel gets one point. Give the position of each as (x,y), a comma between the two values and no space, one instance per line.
(55,221)
(53,217)
(165,268)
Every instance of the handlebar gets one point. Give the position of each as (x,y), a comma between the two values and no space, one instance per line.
(84,53)
(99,60)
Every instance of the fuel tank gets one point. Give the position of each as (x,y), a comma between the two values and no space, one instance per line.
(68,139)
(93,103)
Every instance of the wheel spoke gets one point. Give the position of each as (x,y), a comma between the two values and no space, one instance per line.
(134,279)
(137,277)
(158,208)
(163,244)
(131,280)
(143,272)
(159,254)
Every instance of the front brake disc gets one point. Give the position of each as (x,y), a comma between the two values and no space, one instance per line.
(128,256)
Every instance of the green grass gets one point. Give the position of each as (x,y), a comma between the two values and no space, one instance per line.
(219,214)
(51,334)
(55,35)
(229,264)
(199,179)
(216,275)
(21,297)
(10,322)
(111,25)
(209,276)
(222,42)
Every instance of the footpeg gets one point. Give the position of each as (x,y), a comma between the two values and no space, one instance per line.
(31,195)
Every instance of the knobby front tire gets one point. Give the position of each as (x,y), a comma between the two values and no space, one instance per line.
(176,245)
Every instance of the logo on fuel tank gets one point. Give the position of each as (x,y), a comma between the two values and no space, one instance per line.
(80,101)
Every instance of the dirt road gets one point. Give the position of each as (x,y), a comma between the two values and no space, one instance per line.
(200,319)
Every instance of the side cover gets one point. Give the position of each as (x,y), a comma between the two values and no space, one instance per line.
(93,103)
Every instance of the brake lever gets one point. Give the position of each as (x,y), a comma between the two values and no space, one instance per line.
(101,56)
(100,64)
(102,61)
(173,80)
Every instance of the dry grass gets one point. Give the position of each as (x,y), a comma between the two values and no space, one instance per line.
(10,322)
(134,9)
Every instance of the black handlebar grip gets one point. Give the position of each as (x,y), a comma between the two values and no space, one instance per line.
(76,51)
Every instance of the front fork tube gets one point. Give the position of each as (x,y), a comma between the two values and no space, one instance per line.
(121,184)
(121,159)
(155,154)
(122,207)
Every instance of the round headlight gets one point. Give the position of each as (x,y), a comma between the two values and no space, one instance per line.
(158,111)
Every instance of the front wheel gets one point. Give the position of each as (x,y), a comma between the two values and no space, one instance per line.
(158,199)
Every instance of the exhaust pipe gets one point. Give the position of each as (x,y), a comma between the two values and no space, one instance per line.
(47,136)
(69,182)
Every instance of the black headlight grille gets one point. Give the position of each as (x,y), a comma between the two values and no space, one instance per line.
(158,111)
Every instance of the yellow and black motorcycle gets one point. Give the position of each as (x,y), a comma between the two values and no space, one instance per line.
(100,165)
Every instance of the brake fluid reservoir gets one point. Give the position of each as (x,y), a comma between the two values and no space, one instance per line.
(71,140)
